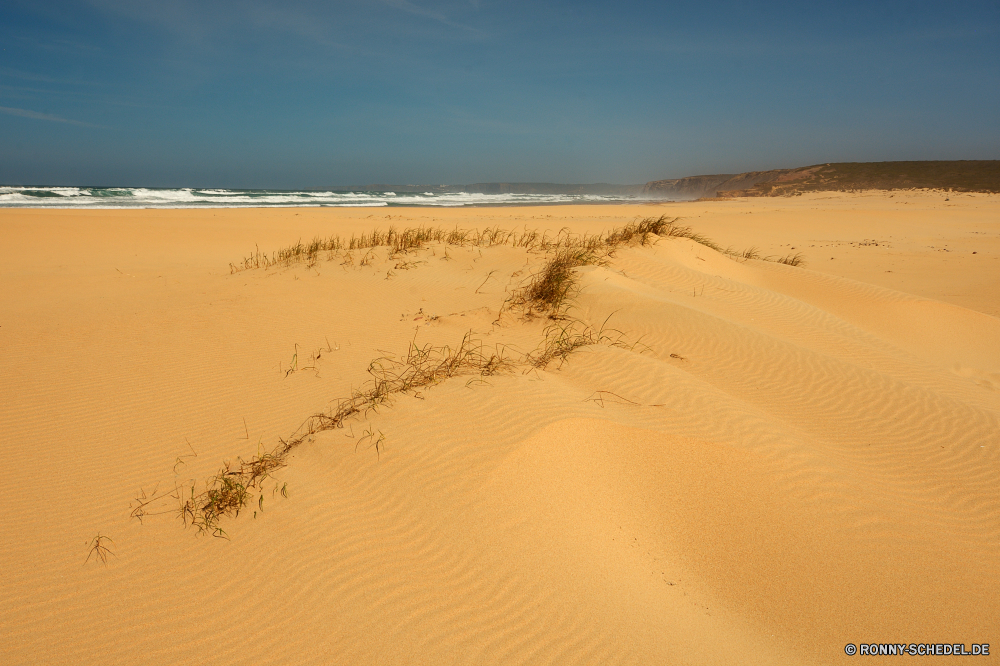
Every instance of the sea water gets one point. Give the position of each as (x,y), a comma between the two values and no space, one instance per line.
(141,197)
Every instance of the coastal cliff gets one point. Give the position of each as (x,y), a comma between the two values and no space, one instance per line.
(960,176)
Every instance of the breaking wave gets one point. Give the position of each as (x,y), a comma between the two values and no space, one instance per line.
(141,197)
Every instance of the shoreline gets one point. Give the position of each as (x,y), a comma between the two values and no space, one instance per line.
(388,199)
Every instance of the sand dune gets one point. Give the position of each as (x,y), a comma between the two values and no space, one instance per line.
(787,459)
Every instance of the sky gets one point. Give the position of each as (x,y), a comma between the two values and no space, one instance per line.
(255,94)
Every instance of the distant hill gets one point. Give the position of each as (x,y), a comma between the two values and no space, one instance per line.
(959,176)
(695,187)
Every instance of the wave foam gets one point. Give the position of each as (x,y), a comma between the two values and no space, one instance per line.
(141,197)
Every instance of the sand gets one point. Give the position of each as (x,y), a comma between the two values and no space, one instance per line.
(792,459)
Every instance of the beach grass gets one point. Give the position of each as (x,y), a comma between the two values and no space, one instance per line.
(399,242)
(99,549)
(792,259)
(546,292)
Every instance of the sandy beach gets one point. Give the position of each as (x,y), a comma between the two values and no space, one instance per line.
(777,461)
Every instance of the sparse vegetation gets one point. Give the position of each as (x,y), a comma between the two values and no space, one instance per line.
(398,242)
(234,486)
(401,242)
(546,292)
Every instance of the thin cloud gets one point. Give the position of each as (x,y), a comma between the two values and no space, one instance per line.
(40,78)
(409,7)
(27,113)
(289,19)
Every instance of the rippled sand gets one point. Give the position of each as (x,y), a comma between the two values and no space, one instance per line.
(789,460)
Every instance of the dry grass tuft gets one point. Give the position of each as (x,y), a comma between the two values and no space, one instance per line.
(750,253)
(792,259)
(675,231)
(99,549)
(233,486)
(227,492)
(547,291)
(565,336)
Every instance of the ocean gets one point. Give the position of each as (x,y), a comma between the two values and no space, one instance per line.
(142,197)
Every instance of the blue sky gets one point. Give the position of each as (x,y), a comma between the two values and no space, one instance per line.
(218,93)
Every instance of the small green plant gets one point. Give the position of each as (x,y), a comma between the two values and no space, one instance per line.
(227,492)
(293,365)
